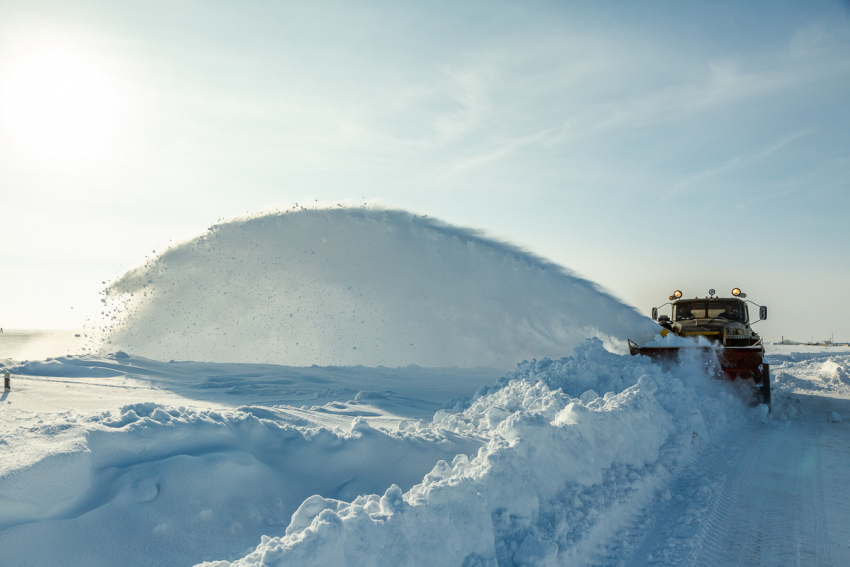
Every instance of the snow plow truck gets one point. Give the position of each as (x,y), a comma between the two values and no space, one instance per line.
(725,324)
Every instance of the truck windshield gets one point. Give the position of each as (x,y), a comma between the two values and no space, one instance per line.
(690,311)
(724,310)
(716,309)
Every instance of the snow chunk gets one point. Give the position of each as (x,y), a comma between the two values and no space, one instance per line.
(359,425)
(589,396)
(536,553)
(309,510)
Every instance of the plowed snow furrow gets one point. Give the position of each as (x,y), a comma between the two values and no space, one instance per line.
(757,500)
(820,519)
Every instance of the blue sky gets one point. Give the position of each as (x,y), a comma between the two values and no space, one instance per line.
(646,146)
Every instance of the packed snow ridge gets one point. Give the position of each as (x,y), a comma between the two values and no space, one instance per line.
(549,463)
(348,286)
(560,471)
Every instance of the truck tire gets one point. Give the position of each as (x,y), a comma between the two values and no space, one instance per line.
(765,385)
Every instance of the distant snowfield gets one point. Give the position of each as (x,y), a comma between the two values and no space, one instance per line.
(38,345)
(596,458)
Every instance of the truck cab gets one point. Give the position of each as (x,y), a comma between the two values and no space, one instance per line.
(723,320)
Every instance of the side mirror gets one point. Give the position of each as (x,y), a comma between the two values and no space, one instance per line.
(763,312)
(655,314)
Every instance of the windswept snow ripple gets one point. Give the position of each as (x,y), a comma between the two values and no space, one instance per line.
(191,484)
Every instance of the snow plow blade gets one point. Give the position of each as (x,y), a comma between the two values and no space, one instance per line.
(735,362)
(740,362)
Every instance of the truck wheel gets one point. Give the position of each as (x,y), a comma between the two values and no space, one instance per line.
(765,385)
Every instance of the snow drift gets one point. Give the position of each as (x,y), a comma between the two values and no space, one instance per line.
(350,286)
(557,463)
(559,477)
(156,485)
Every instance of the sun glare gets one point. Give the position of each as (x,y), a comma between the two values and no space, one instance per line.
(59,105)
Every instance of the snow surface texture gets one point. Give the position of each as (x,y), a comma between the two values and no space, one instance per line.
(348,286)
(170,476)
(592,459)
(556,476)
(812,372)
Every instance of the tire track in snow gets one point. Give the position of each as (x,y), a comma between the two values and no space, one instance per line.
(758,500)
(768,512)
(673,532)
(713,535)
(709,511)
(820,517)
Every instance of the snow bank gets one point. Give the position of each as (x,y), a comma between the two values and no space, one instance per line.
(157,485)
(356,286)
(558,476)
(811,372)
(66,367)
(557,463)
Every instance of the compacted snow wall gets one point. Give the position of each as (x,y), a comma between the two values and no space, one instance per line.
(348,286)
(563,471)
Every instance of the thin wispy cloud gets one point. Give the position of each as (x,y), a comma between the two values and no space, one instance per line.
(501,151)
(735,163)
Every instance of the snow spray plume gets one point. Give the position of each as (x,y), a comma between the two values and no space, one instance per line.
(352,286)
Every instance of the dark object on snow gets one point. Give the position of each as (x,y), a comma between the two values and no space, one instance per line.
(7,381)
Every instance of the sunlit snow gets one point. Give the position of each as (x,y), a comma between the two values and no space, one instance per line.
(197,434)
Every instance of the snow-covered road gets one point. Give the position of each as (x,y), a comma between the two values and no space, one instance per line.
(155,463)
(767,496)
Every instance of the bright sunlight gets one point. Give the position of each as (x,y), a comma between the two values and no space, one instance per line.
(59,105)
